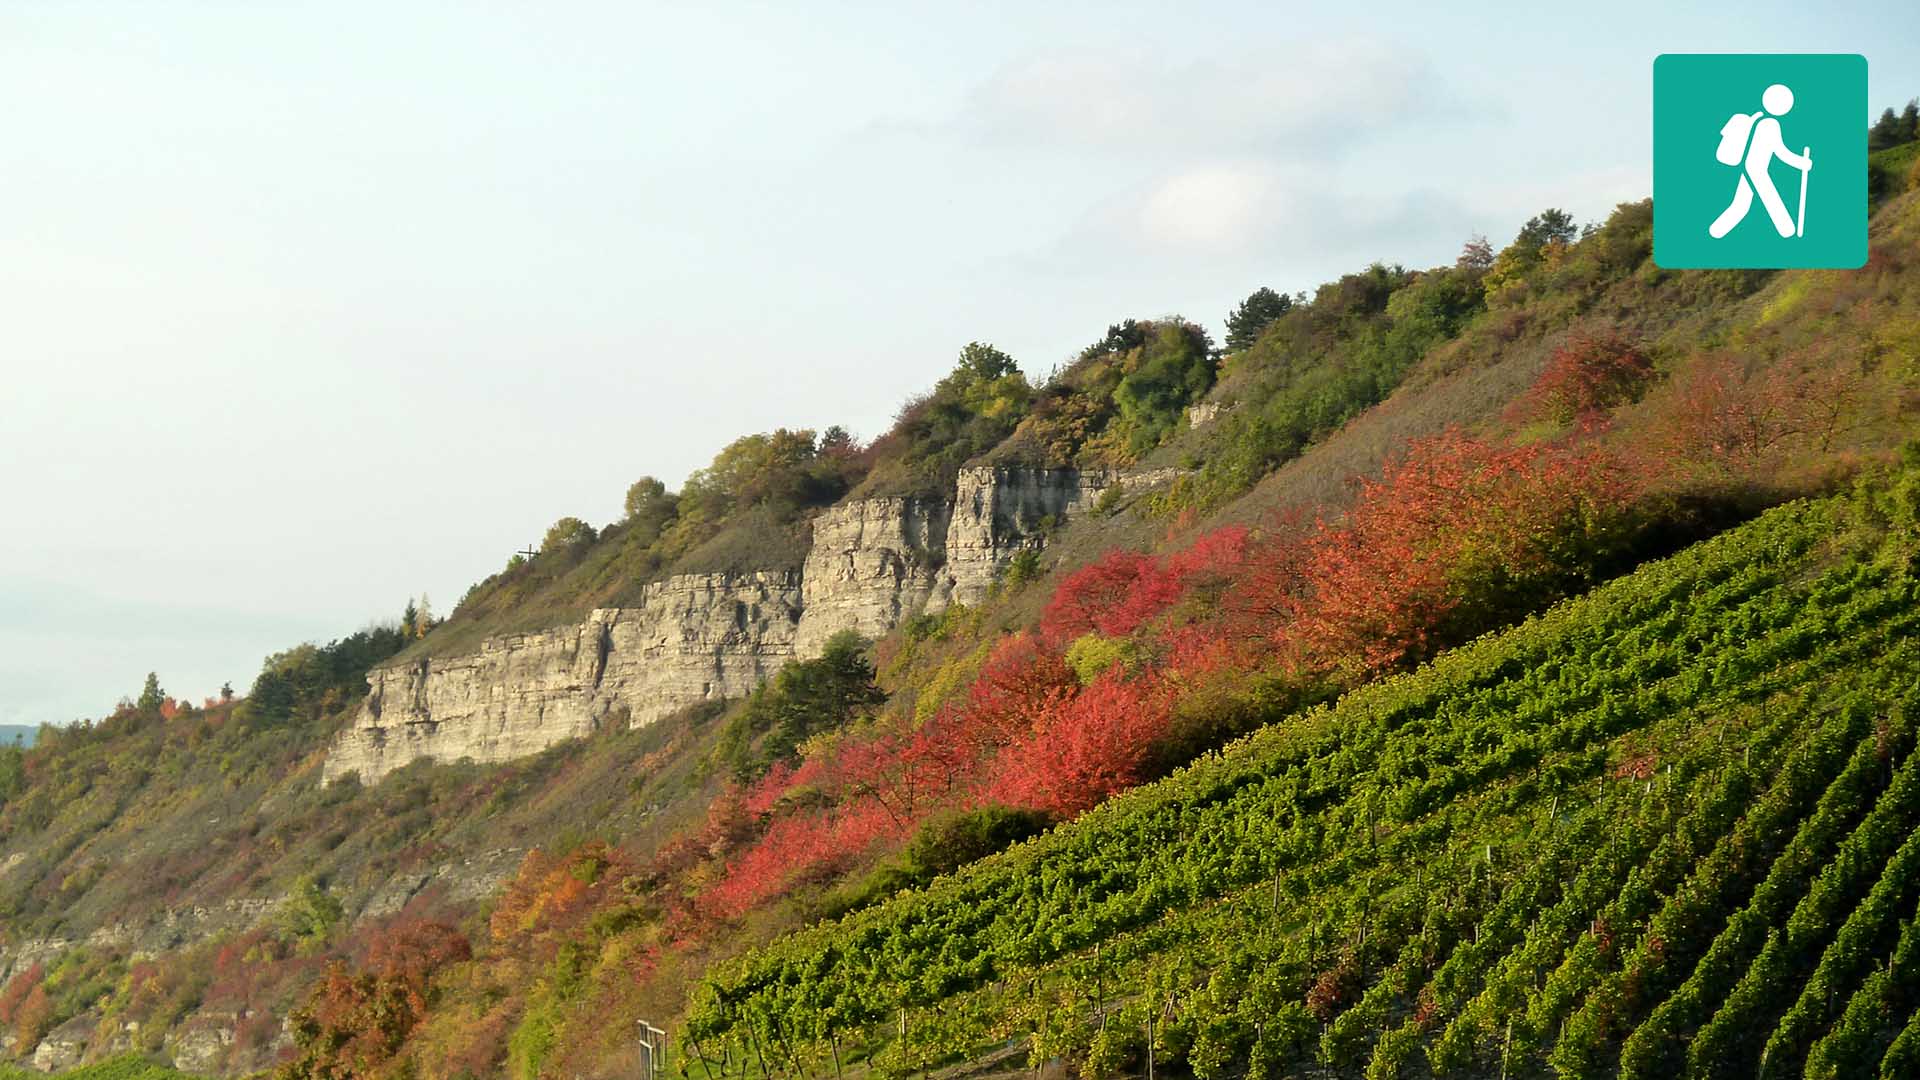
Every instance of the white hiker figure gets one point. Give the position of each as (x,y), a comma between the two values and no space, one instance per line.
(1758,135)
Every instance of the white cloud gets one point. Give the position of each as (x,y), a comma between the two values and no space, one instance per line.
(1316,95)
(1209,208)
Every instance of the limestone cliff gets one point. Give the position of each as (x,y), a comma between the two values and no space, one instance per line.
(692,638)
(874,563)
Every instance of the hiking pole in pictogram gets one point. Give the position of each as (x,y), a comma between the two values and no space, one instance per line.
(1800,223)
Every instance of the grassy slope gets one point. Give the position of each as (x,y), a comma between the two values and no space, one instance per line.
(1554,823)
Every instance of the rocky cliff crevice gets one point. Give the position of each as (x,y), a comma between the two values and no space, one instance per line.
(874,563)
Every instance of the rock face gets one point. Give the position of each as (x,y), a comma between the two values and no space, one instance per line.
(874,563)
(63,1046)
(692,638)
(697,637)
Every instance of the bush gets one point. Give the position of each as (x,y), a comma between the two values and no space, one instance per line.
(1589,375)
(946,843)
(806,698)
(565,534)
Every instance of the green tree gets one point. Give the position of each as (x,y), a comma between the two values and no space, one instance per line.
(807,697)
(984,363)
(1885,132)
(1910,121)
(969,412)
(1176,367)
(645,498)
(1255,313)
(1549,226)
(309,913)
(566,533)
(13,771)
(151,696)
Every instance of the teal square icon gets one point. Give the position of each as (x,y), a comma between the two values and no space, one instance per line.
(1759,160)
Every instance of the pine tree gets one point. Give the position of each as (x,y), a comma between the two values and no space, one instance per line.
(1884,133)
(151,696)
(1255,313)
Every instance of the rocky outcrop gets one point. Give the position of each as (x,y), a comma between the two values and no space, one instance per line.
(692,638)
(63,1047)
(874,563)
(1001,511)
(467,880)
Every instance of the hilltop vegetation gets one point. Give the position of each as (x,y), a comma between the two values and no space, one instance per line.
(1395,820)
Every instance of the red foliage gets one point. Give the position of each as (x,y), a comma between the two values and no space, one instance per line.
(1084,748)
(1123,590)
(1588,375)
(800,849)
(16,992)
(1453,537)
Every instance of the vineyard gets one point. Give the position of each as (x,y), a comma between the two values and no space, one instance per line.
(1667,829)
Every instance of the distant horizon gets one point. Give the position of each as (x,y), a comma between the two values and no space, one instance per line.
(316,311)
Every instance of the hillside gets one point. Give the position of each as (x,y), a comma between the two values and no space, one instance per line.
(1242,650)
(1571,846)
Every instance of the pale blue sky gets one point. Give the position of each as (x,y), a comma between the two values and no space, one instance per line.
(308,307)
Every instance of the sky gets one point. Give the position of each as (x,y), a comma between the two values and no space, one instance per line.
(309,308)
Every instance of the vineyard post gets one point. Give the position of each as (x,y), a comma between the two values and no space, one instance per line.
(753,1040)
(1149,1044)
(700,1054)
(780,1035)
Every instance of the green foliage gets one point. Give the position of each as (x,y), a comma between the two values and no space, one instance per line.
(1175,367)
(309,913)
(565,535)
(1024,567)
(1541,242)
(945,844)
(13,773)
(1892,171)
(1254,314)
(1895,129)
(1122,397)
(151,696)
(308,681)
(968,413)
(650,508)
(124,1067)
(806,698)
(1321,364)
(1092,655)
(1509,860)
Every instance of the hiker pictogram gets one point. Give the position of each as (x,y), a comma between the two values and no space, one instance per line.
(1752,141)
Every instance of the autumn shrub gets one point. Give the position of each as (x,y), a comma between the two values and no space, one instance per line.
(1589,375)
(1084,748)
(1121,591)
(357,1018)
(1456,537)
